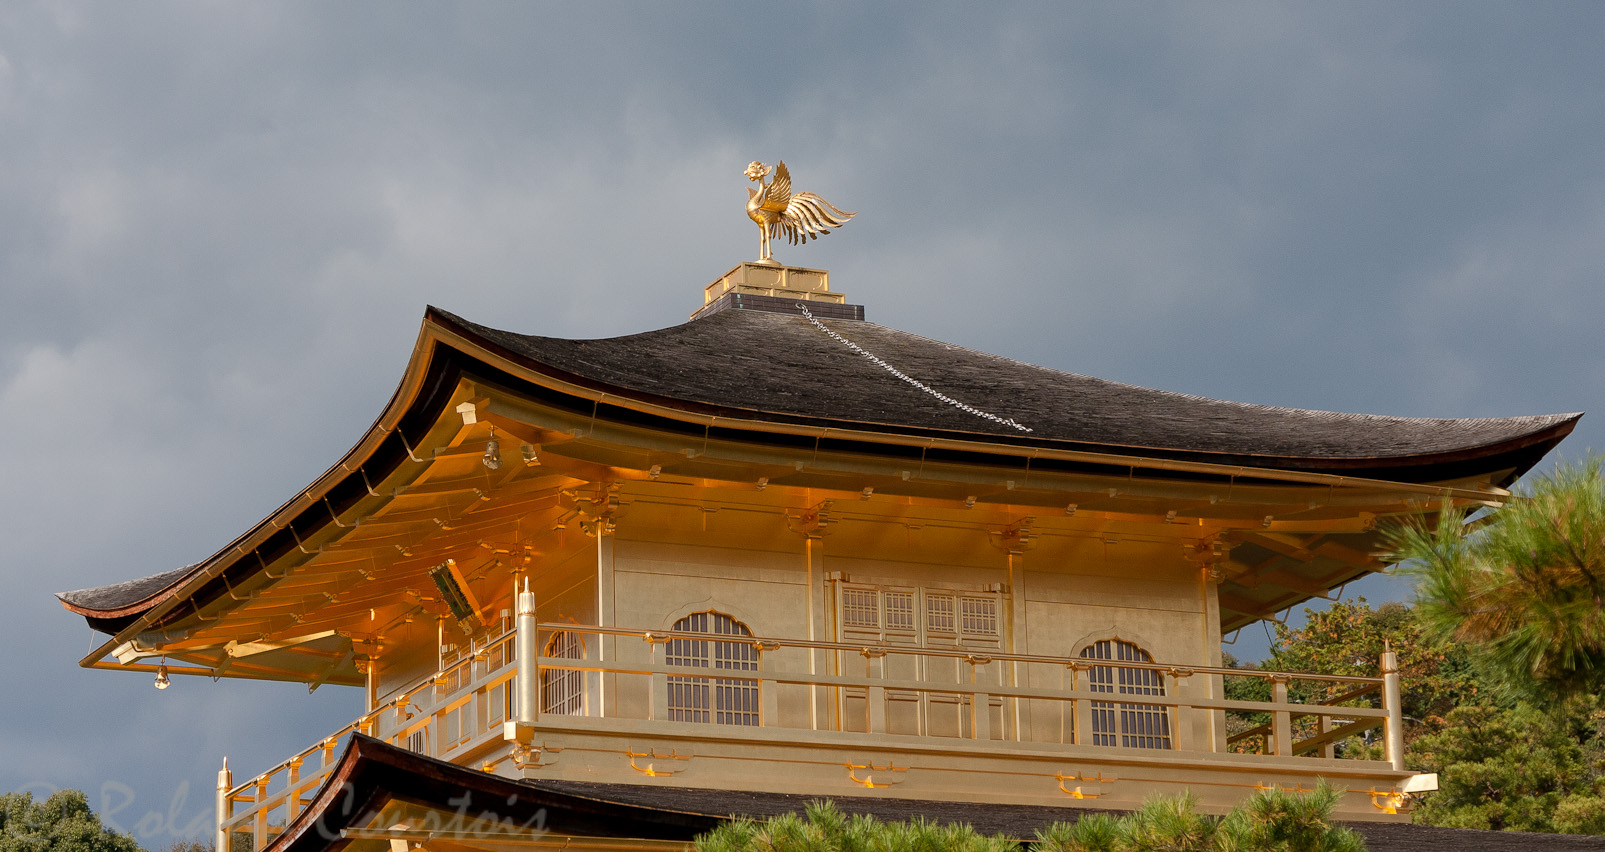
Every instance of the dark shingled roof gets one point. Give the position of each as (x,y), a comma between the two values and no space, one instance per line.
(1023,820)
(769,366)
(103,599)
(371,773)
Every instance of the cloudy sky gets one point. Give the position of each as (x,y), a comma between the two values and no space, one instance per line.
(220,224)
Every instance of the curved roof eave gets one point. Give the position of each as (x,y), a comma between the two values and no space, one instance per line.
(420,397)
(114,613)
(370,773)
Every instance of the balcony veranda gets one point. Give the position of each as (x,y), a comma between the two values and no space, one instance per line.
(834,719)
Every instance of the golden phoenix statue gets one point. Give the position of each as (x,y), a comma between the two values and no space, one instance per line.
(777,210)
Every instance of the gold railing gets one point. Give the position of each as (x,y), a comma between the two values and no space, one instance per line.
(1278,735)
(458,713)
(857,703)
(455,714)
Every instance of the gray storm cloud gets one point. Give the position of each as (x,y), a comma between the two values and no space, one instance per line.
(220,224)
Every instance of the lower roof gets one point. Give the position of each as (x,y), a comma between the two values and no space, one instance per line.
(370,774)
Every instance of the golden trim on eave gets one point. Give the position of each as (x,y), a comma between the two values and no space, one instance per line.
(433,332)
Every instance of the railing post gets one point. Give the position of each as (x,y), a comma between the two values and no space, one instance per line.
(225,807)
(1281,720)
(293,806)
(529,686)
(1394,725)
(981,716)
(259,825)
(1081,708)
(980,703)
(875,696)
(768,690)
(659,680)
(1182,728)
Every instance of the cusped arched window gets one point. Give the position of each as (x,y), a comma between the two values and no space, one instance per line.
(720,700)
(563,690)
(1126,724)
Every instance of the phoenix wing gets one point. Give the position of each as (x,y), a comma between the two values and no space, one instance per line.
(777,195)
(808,217)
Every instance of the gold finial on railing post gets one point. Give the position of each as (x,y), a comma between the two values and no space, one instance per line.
(799,216)
(528,672)
(225,806)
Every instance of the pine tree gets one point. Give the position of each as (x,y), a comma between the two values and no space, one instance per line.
(1525,588)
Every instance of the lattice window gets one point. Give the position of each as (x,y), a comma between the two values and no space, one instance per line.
(563,690)
(899,610)
(901,614)
(979,616)
(859,609)
(1128,725)
(939,613)
(723,701)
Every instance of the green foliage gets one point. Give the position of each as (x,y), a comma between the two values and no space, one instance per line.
(1091,833)
(1245,689)
(1517,768)
(1287,822)
(1168,824)
(1525,590)
(825,829)
(1271,821)
(1348,639)
(1501,764)
(61,823)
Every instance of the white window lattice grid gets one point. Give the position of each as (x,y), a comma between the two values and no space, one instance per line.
(968,616)
(722,701)
(978,616)
(899,610)
(939,613)
(859,608)
(1127,725)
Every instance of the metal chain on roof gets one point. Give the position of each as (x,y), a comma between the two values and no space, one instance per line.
(1009,421)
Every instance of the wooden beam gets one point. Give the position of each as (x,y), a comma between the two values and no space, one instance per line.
(323,676)
(438,513)
(247,649)
(1293,582)
(376,542)
(1277,543)
(1350,556)
(1242,606)
(444,487)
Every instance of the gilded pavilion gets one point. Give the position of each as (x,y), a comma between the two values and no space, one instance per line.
(601,593)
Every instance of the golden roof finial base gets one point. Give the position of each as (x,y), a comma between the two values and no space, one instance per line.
(771,280)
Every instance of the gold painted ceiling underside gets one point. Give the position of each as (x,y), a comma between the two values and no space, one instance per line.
(317,614)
